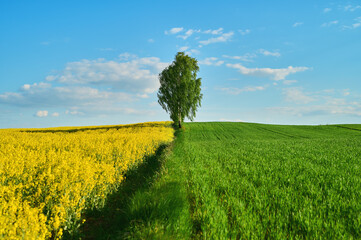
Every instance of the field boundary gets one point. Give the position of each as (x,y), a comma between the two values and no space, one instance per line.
(115,217)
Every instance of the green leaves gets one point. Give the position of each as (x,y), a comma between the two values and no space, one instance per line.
(180,90)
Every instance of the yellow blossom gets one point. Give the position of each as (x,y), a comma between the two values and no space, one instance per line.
(48,177)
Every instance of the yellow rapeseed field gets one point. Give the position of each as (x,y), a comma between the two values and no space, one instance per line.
(48,177)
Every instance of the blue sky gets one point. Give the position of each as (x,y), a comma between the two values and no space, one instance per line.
(71,63)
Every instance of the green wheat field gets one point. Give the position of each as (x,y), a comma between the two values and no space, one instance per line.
(243,181)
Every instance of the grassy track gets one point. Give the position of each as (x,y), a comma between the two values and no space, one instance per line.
(254,181)
(151,204)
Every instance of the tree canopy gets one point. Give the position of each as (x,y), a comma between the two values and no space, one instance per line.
(180,89)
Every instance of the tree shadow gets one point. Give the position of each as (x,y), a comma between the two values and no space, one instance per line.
(116,216)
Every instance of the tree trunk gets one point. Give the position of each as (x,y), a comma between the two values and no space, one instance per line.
(179,119)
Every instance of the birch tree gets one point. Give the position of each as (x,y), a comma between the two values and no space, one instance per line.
(180,89)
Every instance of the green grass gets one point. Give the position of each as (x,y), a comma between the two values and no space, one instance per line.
(268,181)
(251,181)
(151,204)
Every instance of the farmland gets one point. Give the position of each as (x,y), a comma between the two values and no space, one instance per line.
(254,181)
(214,181)
(49,177)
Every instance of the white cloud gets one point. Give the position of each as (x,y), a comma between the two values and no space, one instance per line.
(92,87)
(297,24)
(192,51)
(289,82)
(222,38)
(153,104)
(296,95)
(335,101)
(74,112)
(244,32)
(41,113)
(346,92)
(236,91)
(151,40)
(182,49)
(25,87)
(188,33)
(129,74)
(143,95)
(268,53)
(273,73)
(214,32)
(350,8)
(45,95)
(188,51)
(356,24)
(328,24)
(109,110)
(174,30)
(41,85)
(328,91)
(5,97)
(50,78)
(322,103)
(344,109)
(248,57)
(211,61)
(124,56)
(326,10)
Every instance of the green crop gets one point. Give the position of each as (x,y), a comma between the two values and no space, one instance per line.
(253,181)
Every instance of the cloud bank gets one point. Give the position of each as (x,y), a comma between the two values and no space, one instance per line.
(236,91)
(91,86)
(129,73)
(272,73)
(222,38)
